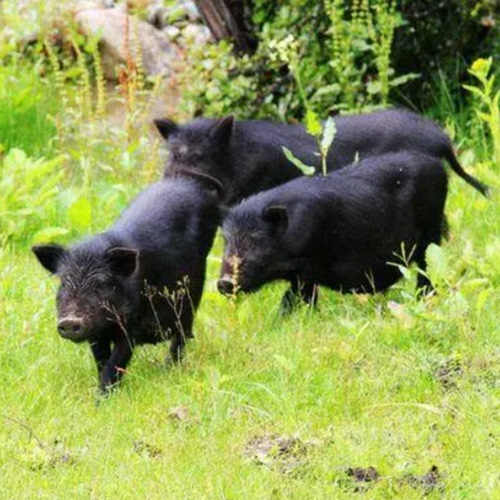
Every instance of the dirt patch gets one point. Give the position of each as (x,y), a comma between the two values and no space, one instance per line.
(147,450)
(49,456)
(179,414)
(281,452)
(427,482)
(363,475)
(182,415)
(448,373)
(358,478)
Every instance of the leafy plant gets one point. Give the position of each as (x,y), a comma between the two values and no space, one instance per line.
(489,101)
(28,200)
(344,65)
(26,107)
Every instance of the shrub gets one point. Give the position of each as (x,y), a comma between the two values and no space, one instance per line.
(440,36)
(29,195)
(352,53)
(339,51)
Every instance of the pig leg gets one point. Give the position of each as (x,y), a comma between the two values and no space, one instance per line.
(299,290)
(101,350)
(184,331)
(118,361)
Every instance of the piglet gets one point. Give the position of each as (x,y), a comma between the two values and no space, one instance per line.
(141,280)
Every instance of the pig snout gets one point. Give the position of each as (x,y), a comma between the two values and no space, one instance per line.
(71,327)
(225,285)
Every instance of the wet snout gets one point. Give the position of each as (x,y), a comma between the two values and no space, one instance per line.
(71,327)
(226,285)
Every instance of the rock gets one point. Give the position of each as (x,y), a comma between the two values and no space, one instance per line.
(191,10)
(179,14)
(91,5)
(158,55)
(196,34)
(156,15)
(172,32)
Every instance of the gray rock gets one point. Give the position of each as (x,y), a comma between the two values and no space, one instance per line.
(89,5)
(191,10)
(196,34)
(158,54)
(157,15)
(172,32)
(179,14)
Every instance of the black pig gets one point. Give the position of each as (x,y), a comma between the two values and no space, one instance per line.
(344,230)
(247,156)
(141,280)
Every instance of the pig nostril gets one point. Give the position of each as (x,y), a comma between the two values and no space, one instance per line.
(225,286)
(69,327)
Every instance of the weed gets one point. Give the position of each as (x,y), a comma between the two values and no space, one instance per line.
(489,99)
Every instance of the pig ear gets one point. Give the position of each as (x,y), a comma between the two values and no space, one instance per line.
(223,128)
(49,256)
(166,127)
(123,261)
(276,215)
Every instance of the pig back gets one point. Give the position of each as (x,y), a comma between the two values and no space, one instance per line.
(172,223)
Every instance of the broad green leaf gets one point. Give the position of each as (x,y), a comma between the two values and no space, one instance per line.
(473,285)
(485,117)
(305,169)
(474,90)
(329,133)
(401,80)
(437,263)
(374,87)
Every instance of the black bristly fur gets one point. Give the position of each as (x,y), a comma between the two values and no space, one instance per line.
(247,156)
(115,283)
(345,230)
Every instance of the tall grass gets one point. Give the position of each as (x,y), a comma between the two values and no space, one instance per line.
(27,104)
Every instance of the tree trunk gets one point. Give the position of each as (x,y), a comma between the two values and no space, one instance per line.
(229,20)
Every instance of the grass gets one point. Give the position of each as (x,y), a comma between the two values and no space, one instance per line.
(26,104)
(361,382)
(382,381)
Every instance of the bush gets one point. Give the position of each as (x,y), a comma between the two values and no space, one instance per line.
(445,36)
(29,195)
(352,54)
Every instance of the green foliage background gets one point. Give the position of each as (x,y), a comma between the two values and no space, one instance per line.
(434,40)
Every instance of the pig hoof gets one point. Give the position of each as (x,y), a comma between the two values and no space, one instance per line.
(171,361)
(288,303)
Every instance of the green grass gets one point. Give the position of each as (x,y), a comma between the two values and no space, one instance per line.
(384,381)
(356,383)
(26,106)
